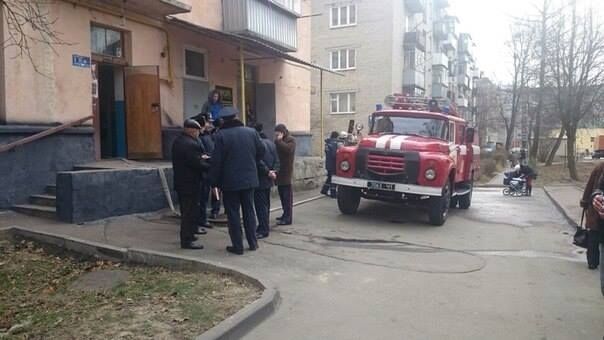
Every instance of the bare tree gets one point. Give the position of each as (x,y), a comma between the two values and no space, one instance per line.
(487,107)
(521,46)
(28,24)
(578,73)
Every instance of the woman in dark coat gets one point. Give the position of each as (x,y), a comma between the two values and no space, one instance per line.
(286,150)
(592,218)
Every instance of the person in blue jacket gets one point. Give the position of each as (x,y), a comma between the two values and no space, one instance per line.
(262,194)
(238,153)
(212,106)
(331,148)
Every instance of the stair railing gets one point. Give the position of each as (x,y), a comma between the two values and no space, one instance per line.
(45,133)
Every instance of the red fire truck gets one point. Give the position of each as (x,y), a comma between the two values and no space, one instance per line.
(419,152)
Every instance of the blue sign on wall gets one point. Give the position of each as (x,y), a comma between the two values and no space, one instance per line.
(80,61)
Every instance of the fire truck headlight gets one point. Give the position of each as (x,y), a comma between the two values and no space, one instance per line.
(344,166)
(430,174)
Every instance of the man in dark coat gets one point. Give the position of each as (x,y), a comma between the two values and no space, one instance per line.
(262,195)
(286,149)
(237,152)
(331,148)
(189,165)
(206,139)
(592,218)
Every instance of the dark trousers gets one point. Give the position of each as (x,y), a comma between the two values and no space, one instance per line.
(189,215)
(244,200)
(204,197)
(215,201)
(593,250)
(329,187)
(262,203)
(287,202)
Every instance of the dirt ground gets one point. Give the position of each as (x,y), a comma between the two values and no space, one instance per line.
(558,173)
(36,301)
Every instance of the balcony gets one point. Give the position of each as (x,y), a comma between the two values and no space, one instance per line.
(416,39)
(413,78)
(263,20)
(155,8)
(462,102)
(440,59)
(441,3)
(450,42)
(415,6)
(439,90)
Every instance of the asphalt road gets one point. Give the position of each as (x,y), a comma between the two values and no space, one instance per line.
(504,269)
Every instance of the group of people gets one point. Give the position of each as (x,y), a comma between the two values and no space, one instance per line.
(217,158)
(593,203)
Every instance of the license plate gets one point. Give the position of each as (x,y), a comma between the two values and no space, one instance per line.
(380,186)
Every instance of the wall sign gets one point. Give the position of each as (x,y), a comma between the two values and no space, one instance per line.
(80,61)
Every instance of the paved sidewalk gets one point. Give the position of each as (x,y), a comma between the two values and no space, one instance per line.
(567,198)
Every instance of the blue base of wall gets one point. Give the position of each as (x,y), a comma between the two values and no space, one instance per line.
(90,195)
(27,169)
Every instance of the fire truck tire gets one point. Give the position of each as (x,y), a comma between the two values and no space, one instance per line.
(348,200)
(465,201)
(438,209)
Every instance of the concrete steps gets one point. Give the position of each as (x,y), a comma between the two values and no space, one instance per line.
(36,210)
(42,205)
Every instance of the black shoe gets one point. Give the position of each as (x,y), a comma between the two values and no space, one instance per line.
(324,191)
(261,236)
(191,246)
(282,222)
(234,250)
(201,231)
(279,218)
(213,216)
(592,267)
(253,248)
(204,225)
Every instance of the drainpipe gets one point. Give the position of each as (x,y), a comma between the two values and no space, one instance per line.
(242,66)
(139,21)
(321,109)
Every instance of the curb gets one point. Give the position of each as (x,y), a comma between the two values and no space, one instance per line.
(233,327)
(569,220)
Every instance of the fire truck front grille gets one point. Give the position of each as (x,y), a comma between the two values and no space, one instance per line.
(385,164)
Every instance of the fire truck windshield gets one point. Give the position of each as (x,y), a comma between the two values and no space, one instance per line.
(426,127)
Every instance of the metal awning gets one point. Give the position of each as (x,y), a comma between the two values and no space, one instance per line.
(151,8)
(249,44)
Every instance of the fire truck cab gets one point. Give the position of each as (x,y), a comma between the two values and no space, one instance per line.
(418,152)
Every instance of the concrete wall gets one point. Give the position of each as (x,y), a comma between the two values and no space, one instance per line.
(96,194)
(379,61)
(26,170)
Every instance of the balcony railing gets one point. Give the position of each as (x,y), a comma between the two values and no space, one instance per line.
(416,6)
(440,59)
(416,39)
(439,90)
(263,20)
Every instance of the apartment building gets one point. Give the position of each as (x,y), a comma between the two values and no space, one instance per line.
(131,71)
(394,46)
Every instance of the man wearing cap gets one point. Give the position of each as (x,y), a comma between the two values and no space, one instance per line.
(238,152)
(190,166)
(286,150)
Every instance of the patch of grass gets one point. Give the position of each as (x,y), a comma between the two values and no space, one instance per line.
(153,303)
(558,174)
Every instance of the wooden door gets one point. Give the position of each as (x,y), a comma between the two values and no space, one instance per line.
(143,112)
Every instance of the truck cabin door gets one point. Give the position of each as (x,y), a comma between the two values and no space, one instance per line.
(461,151)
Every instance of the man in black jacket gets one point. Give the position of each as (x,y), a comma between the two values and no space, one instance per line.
(234,169)
(190,165)
(262,195)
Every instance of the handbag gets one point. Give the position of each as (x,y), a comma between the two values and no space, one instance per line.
(580,238)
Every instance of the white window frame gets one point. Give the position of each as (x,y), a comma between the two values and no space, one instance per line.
(338,94)
(348,24)
(205,62)
(339,52)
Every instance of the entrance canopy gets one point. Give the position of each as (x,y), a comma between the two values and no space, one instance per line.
(249,44)
(151,8)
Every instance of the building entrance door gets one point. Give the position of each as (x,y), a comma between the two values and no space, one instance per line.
(111,114)
(266,107)
(143,121)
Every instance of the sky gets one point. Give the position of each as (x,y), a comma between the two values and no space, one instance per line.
(489,22)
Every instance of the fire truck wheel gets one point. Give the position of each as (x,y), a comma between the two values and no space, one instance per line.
(439,206)
(465,201)
(348,200)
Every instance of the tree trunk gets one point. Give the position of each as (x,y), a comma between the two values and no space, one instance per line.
(537,129)
(571,138)
(555,147)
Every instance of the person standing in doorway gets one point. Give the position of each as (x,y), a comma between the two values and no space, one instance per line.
(190,167)
(267,173)
(331,148)
(237,152)
(286,149)
(212,106)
